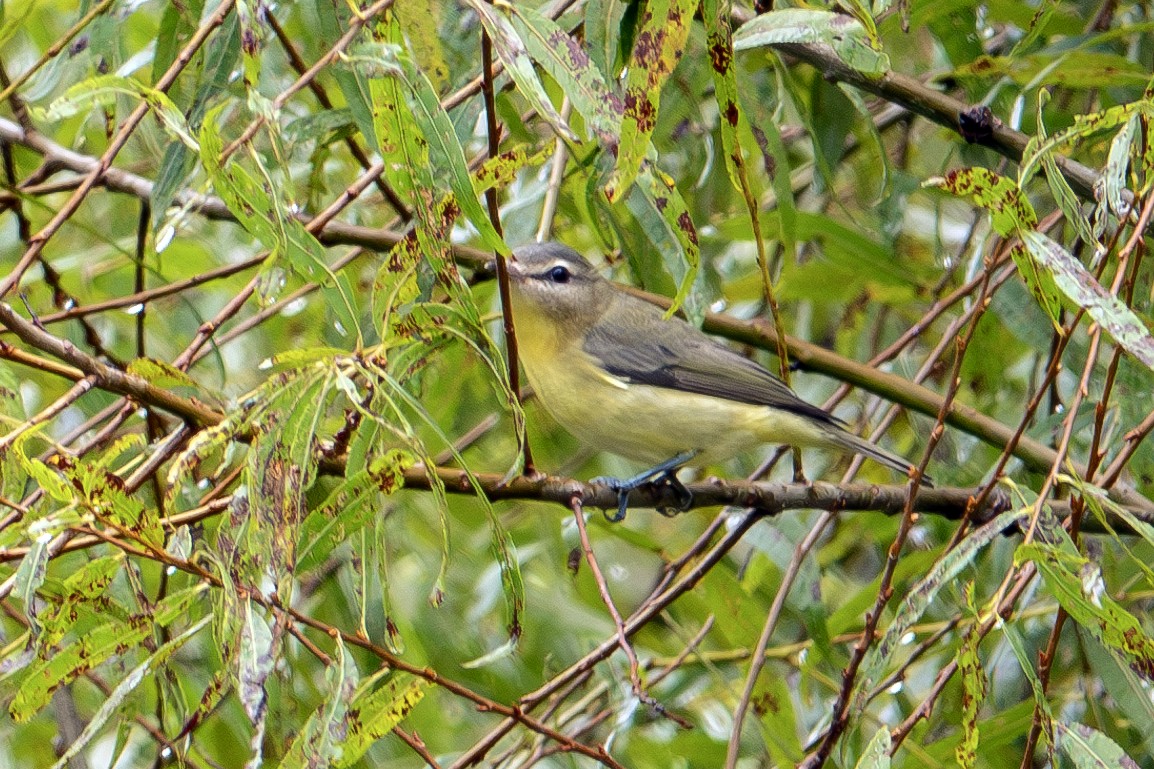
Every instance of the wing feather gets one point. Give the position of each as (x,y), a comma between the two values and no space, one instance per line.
(673,354)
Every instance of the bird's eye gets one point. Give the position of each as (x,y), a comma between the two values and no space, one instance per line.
(560,274)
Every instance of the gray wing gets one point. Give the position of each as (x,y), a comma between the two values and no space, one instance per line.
(673,354)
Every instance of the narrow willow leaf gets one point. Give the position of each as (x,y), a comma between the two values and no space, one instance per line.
(102,90)
(12,477)
(350,507)
(45,477)
(353,84)
(92,649)
(1018,646)
(919,597)
(30,576)
(1076,582)
(1010,214)
(732,121)
(1084,127)
(877,753)
(252,34)
(104,494)
(1114,172)
(395,287)
(844,34)
(975,685)
(1072,69)
(501,171)
(1083,290)
(656,52)
(1010,210)
(265,217)
(79,589)
(664,216)
(1126,688)
(515,57)
(1060,188)
(775,158)
(374,714)
(447,155)
(117,697)
(1088,748)
(502,547)
(602,32)
(568,63)
(318,742)
(421,21)
(254,662)
(869,125)
(281,466)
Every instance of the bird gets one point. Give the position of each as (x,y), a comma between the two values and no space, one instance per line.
(612,370)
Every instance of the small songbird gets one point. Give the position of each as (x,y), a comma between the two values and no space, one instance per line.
(619,376)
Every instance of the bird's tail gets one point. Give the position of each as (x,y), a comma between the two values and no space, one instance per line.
(847,440)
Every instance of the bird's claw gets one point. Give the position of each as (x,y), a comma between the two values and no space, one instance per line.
(665,473)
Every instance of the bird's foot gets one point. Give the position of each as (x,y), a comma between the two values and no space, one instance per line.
(666,472)
(684,497)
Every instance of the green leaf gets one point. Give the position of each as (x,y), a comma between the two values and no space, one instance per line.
(353,84)
(732,120)
(656,52)
(447,155)
(254,662)
(1076,582)
(350,507)
(1074,69)
(877,753)
(1126,688)
(568,63)
(92,649)
(1114,172)
(515,57)
(266,218)
(1010,210)
(920,596)
(665,217)
(846,35)
(1027,665)
(1088,748)
(375,713)
(421,20)
(318,742)
(111,705)
(975,685)
(30,576)
(1084,127)
(102,90)
(79,589)
(1083,290)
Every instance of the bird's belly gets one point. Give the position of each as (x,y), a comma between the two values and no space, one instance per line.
(652,424)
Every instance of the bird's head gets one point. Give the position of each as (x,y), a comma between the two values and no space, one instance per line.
(553,284)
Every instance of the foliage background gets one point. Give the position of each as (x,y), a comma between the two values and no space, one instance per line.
(245,300)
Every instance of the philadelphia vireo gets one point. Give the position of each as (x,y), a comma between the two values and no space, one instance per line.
(620,377)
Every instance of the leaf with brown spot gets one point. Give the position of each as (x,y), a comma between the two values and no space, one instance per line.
(656,52)
(848,38)
(94,648)
(1074,581)
(1084,290)
(566,61)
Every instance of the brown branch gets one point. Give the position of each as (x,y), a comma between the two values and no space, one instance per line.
(933,105)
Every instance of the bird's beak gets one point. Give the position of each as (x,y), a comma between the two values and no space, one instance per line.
(516,269)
